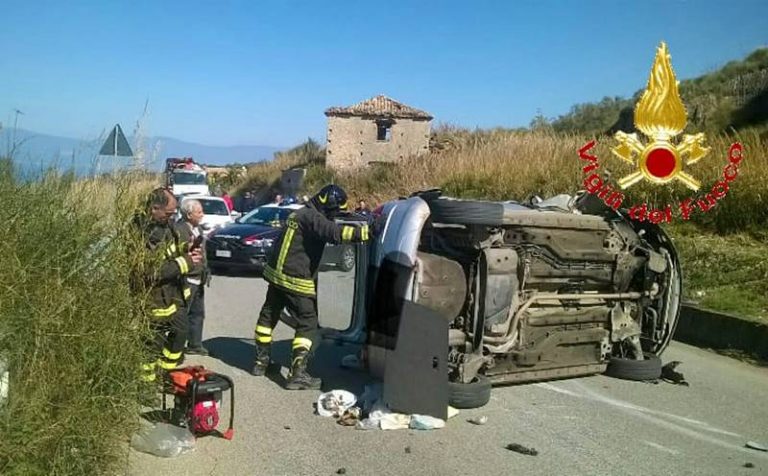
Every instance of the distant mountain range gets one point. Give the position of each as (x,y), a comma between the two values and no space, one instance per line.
(35,152)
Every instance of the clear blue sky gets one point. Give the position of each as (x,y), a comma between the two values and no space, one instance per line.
(263,72)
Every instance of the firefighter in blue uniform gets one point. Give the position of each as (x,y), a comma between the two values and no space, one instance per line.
(291,270)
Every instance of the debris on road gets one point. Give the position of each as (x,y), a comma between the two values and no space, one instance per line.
(518,448)
(408,449)
(749,465)
(478,420)
(756,446)
(341,471)
(425,422)
(335,403)
(670,375)
(164,440)
(350,417)
(452,412)
(286,427)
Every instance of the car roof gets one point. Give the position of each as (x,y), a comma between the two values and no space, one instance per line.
(201,197)
(294,206)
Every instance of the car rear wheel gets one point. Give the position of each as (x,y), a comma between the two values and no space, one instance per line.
(630,369)
(474,394)
(347,259)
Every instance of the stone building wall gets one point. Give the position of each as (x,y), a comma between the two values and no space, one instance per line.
(352,141)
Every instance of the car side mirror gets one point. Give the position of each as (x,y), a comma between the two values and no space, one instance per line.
(234,214)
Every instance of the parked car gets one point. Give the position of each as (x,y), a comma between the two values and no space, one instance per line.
(244,244)
(550,289)
(216,212)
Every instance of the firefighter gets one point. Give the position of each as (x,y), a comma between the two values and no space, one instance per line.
(165,263)
(291,272)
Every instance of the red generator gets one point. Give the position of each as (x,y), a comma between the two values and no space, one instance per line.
(197,394)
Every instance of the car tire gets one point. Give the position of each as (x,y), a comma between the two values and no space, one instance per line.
(630,369)
(347,259)
(469,395)
(466,212)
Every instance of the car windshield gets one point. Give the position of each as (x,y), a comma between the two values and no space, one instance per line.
(213,207)
(186,178)
(266,216)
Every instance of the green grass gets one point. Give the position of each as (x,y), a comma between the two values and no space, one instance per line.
(725,273)
(69,326)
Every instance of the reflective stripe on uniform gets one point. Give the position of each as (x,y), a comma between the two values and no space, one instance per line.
(298,285)
(166,365)
(262,339)
(187,293)
(183,266)
(347,232)
(263,334)
(148,372)
(301,342)
(149,377)
(164,312)
(284,248)
(170,250)
(364,232)
(171,355)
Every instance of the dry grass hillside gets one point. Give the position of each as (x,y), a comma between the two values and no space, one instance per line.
(721,247)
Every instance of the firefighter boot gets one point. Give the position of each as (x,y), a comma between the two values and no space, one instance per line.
(261,362)
(299,379)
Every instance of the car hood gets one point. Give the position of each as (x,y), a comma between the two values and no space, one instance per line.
(238,231)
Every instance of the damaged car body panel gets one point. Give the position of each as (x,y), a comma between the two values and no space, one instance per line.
(537,291)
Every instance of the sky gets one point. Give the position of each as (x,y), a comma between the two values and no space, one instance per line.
(263,72)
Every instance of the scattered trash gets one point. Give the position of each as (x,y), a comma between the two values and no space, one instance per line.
(286,427)
(162,439)
(394,421)
(350,417)
(367,424)
(479,420)
(756,446)
(334,403)
(452,412)
(668,374)
(425,422)
(341,471)
(518,448)
(749,465)
(408,450)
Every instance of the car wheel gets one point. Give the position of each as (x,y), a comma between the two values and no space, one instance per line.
(347,259)
(629,369)
(466,212)
(474,394)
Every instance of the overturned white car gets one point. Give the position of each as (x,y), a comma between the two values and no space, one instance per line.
(550,289)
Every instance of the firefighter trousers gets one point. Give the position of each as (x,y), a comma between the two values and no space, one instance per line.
(303,310)
(165,345)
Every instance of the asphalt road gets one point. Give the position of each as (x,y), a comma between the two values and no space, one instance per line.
(586,426)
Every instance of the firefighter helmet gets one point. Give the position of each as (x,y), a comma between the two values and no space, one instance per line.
(330,200)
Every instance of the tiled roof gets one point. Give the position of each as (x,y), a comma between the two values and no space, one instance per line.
(379,106)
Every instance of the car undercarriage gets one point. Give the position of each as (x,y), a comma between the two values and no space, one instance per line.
(551,289)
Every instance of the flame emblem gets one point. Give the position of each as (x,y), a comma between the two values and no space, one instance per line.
(660,115)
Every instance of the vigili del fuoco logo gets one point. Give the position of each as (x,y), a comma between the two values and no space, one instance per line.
(660,157)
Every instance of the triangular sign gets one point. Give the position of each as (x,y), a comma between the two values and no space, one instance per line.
(116,144)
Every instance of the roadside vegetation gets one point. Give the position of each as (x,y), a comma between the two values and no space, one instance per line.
(70,330)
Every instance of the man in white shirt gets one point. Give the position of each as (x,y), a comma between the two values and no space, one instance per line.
(189,231)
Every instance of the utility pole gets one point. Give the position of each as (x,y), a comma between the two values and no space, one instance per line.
(15,124)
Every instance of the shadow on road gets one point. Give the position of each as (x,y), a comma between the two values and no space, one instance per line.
(238,352)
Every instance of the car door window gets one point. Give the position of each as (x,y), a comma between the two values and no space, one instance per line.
(336,285)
